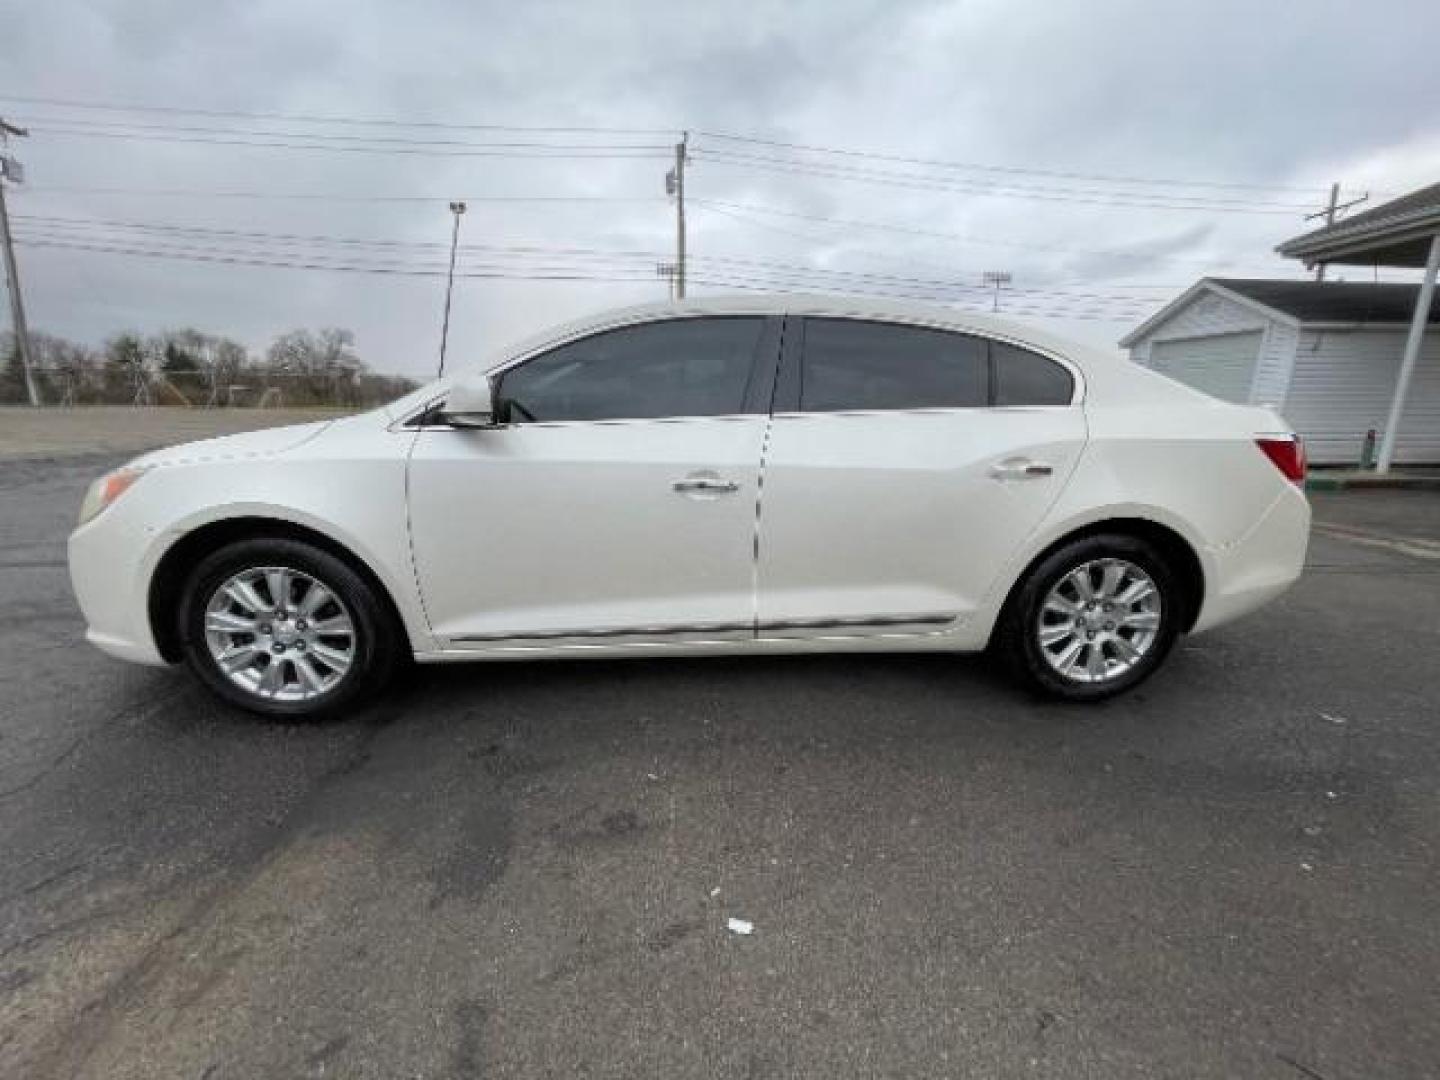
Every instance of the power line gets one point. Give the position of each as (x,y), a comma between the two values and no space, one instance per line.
(771,281)
(114,108)
(392,146)
(1087,196)
(89,224)
(338,197)
(67,226)
(813,238)
(739,209)
(303,118)
(213,255)
(736,211)
(127,127)
(1004,169)
(562,152)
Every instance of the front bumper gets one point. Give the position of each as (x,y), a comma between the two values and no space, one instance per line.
(111,563)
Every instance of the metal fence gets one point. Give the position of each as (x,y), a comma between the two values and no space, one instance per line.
(250,389)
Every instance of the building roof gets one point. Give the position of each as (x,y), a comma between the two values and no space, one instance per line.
(1396,233)
(1302,302)
(1332,301)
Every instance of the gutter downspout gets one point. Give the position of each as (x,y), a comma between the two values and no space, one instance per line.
(1412,353)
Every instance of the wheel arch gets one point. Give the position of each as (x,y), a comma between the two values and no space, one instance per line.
(1175,548)
(167,583)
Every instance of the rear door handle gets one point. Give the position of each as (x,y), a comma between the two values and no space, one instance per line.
(1021,469)
(713,485)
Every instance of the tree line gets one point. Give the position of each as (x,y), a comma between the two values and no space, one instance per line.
(190,368)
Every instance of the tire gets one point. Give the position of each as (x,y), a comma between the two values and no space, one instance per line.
(323,665)
(1148,626)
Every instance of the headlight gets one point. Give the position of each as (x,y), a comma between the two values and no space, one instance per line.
(108,488)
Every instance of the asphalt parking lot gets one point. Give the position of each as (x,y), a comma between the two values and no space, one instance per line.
(526,870)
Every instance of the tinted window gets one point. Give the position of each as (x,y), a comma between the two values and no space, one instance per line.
(1026,378)
(687,367)
(850,364)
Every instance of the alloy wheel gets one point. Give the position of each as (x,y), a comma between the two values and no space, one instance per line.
(1099,620)
(279,633)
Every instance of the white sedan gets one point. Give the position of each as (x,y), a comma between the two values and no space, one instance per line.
(715,477)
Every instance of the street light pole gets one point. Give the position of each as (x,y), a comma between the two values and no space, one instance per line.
(456,208)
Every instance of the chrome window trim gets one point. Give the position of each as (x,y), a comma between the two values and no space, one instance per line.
(954,410)
(626,422)
(1077,397)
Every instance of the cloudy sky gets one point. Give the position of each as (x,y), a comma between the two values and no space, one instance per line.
(206,164)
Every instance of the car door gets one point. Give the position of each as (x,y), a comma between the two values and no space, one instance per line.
(904,465)
(614,501)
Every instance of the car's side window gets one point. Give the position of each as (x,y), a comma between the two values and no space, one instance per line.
(680,367)
(1023,377)
(851,364)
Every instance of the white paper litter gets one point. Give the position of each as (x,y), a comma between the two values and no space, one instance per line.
(740,926)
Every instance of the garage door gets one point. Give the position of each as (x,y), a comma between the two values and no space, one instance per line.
(1222,365)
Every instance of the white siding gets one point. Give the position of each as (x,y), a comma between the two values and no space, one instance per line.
(1277,359)
(1222,365)
(1209,314)
(1342,384)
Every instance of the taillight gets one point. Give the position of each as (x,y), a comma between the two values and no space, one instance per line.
(1286,453)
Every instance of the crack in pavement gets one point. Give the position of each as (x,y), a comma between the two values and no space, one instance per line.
(73,1049)
(135,709)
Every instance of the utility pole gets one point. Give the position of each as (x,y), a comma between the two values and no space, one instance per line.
(1329,213)
(11,170)
(675,185)
(456,208)
(997,278)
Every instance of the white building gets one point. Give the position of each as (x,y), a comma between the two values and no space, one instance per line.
(1326,355)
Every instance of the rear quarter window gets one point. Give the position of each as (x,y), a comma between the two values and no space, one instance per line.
(1022,377)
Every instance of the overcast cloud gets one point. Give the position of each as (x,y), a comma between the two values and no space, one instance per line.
(1278,94)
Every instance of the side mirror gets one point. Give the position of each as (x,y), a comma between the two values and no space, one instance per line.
(471,404)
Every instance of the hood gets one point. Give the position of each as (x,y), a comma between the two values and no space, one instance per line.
(248,444)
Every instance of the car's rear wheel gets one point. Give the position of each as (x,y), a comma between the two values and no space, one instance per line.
(1095,617)
(285,629)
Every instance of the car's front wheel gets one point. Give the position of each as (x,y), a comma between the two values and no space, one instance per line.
(1095,617)
(285,629)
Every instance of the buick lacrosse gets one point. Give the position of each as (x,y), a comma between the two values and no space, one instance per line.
(714,477)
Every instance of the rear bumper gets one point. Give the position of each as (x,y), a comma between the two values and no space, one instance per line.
(1260,566)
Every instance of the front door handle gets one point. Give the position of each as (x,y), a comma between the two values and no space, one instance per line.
(1020,469)
(710,484)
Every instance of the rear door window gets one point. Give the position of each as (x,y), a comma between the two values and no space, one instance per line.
(851,364)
